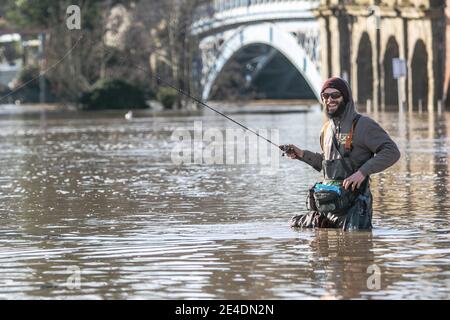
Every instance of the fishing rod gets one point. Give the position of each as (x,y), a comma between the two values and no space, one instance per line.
(159,80)
(197,100)
(211,108)
(284,148)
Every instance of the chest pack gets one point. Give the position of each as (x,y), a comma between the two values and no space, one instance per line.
(325,198)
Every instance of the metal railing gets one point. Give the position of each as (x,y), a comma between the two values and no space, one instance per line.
(217,6)
(223,5)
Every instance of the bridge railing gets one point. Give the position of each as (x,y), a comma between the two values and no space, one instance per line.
(218,7)
(223,5)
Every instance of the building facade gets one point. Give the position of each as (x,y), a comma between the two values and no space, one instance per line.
(447,60)
(361,37)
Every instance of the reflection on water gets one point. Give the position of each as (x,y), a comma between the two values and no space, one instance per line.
(99,193)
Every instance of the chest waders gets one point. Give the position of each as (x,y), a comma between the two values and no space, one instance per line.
(332,206)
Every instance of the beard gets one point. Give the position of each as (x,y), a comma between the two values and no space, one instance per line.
(340,110)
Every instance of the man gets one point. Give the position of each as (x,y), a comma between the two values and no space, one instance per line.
(353,148)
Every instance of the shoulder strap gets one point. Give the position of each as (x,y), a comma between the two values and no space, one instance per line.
(349,140)
(346,168)
(322,135)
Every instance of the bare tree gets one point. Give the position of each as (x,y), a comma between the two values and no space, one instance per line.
(170,47)
(85,64)
(157,39)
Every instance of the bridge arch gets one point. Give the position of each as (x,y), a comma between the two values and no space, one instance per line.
(268,34)
(390,86)
(365,72)
(419,75)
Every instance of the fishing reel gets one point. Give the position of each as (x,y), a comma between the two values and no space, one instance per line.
(286,149)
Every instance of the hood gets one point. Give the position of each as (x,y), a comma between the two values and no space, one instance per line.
(342,124)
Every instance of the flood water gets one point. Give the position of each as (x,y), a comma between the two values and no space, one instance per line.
(93,207)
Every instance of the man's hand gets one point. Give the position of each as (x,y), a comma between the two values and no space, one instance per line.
(294,152)
(354,181)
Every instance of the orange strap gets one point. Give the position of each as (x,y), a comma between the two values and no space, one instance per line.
(349,140)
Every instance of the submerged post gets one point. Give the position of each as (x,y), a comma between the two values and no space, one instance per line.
(439,106)
(399,72)
(42,86)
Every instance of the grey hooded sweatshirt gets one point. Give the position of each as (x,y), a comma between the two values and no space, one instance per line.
(373,150)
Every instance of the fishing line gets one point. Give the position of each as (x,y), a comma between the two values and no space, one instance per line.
(182,92)
(41,74)
(159,82)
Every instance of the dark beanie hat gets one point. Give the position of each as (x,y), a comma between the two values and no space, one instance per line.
(338,84)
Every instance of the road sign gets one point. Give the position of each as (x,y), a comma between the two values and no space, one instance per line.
(399,68)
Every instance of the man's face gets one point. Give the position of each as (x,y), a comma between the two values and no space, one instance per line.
(332,98)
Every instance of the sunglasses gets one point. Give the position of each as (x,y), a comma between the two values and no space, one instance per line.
(333,95)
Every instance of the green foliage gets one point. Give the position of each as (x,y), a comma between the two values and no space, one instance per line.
(29,75)
(149,93)
(45,13)
(29,13)
(113,94)
(167,97)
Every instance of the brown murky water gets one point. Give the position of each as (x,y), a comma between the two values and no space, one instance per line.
(92,207)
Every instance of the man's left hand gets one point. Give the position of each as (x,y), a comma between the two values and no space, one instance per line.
(354,181)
